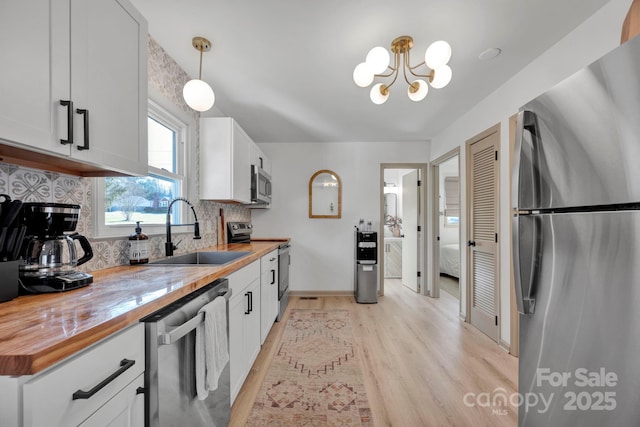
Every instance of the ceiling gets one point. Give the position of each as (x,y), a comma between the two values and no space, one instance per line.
(283,68)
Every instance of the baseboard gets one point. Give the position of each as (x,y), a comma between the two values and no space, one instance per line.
(505,346)
(321,293)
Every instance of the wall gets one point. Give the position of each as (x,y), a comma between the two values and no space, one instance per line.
(322,249)
(596,36)
(166,80)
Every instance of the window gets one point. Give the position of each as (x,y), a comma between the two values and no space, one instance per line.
(121,201)
(451,201)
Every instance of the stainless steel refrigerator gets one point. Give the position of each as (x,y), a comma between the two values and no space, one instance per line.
(576,247)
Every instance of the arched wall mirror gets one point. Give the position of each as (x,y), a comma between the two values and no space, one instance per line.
(325,195)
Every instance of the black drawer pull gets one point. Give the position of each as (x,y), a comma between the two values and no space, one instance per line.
(85,113)
(273,277)
(69,105)
(124,365)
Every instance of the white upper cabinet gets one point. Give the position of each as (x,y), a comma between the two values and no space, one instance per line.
(91,53)
(258,158)
(225,160)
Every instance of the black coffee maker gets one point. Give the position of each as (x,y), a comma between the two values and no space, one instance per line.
(49,255)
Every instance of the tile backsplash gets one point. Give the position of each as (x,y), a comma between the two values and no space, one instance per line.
(32,185)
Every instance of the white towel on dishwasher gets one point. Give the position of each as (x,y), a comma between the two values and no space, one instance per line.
(212,346)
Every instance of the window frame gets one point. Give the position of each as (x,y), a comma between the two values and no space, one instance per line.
(184,125)
(452,201)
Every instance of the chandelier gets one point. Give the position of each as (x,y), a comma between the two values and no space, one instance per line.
(196,92)
(376,64)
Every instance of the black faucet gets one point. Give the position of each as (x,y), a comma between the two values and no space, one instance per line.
(169,246)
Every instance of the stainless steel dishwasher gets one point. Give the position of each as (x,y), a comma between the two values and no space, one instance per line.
(170,398)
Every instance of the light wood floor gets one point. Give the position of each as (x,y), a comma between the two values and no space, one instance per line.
(418,358)
(450,285)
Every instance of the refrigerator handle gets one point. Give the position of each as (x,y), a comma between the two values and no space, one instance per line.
(526,158)
(524,286)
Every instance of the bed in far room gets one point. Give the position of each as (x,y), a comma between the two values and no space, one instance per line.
(450,259)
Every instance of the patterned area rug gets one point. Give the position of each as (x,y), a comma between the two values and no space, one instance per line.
(315,377)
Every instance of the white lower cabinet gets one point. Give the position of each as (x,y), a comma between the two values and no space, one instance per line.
(95,387)
(268,293)
(244,323)
(392,257)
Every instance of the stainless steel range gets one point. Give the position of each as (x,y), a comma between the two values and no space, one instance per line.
(239,232)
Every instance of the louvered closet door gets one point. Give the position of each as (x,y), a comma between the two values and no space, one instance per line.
(483,225)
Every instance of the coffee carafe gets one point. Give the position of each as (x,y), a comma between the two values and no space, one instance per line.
(49,253)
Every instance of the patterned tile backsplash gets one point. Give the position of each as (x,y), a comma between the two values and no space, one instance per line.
(31,185)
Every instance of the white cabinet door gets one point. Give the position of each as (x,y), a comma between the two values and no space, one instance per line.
(34,76)
(109,81)
(225,160)
(252,324)
(244,323)
(266,164)
(258,158)
(241,167)
(268,293)
(126,409)
(237,355)
(69,51)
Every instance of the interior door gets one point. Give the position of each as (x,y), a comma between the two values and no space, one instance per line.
(483,237)
(410,242)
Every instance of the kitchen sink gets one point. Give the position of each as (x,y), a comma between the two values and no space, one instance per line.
(201,258)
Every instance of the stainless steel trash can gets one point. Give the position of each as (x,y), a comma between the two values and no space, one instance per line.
(367,283)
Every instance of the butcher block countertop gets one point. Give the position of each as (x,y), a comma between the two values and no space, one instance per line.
(37,331)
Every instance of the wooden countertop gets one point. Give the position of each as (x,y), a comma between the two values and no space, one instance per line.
(37,331)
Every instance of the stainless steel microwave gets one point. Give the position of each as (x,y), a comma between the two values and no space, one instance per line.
(260,186)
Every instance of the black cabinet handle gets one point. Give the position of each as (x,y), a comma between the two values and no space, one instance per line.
(69,105)
(124,365)
(250,301)
(273,277)
(248,310)
(85,113)
(471,243)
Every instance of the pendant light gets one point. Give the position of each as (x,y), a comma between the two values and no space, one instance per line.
(197,93)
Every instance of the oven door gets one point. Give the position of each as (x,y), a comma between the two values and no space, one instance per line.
(284,260)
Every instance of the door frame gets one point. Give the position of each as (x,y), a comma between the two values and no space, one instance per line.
(422,205)
(435,222)
(495,129)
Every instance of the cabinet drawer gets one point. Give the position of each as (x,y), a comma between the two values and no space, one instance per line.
(239,280)
(48,397)
(125,409)
(269,261)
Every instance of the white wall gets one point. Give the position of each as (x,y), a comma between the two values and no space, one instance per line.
(595,37)
(322,249)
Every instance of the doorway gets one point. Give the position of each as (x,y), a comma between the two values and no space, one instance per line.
(402,244)
(446,226)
